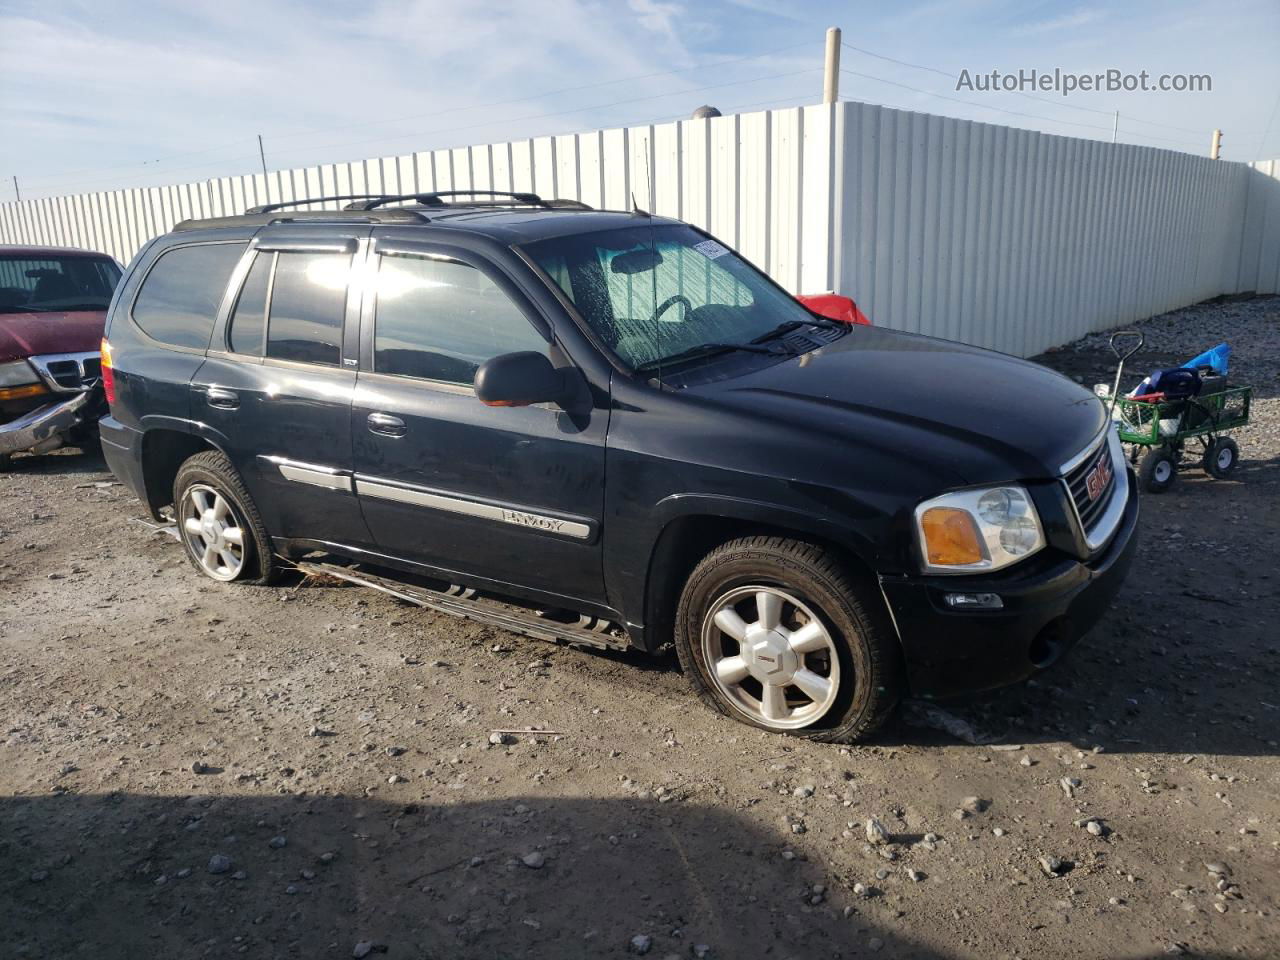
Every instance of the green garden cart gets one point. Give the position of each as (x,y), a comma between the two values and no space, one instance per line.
(1165,433)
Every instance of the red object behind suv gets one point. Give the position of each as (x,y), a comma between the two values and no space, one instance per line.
(53,303)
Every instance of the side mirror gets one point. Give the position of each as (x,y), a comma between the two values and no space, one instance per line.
(518,380)
(834,307)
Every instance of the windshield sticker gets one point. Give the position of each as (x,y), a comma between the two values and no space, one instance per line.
(710,249)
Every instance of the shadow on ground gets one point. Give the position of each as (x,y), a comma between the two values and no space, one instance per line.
(129,876)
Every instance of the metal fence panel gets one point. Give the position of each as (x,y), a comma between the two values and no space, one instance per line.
(1001,237)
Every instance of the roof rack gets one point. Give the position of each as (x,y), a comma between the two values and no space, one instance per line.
(393,215)
(435,198)
(268,207)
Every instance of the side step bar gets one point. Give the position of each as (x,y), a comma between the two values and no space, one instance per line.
(469,605)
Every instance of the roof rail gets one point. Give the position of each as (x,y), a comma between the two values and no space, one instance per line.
(435,198)
(393,215)
(268,207)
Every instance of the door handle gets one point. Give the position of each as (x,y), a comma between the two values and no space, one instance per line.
(387,425)
(222,399)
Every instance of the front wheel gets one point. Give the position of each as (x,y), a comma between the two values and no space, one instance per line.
(1157,469)
(775,633)
(219,523)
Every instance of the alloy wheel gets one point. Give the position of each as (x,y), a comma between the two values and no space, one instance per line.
(771,657)
(212,531)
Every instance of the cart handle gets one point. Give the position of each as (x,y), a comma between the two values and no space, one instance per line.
(1142,339)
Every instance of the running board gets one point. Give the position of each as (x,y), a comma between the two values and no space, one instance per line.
(466,603)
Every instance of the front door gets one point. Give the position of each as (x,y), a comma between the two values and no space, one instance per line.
(506,494)
(279,378)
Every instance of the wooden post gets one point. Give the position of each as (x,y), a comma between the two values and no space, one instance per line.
(1215,147)
(831,71)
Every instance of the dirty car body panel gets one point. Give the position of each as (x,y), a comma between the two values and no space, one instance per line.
(602,501)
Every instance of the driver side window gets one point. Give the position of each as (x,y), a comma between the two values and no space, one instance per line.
(439,319)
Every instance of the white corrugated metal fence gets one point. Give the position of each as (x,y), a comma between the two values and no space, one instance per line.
(996,236)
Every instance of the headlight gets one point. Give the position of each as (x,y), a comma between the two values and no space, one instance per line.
(17,373)
(977,530)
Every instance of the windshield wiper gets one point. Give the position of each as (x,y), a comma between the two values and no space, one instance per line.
(710,350)
(786,327)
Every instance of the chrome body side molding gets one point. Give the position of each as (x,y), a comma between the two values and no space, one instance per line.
(503,513)
(311,473)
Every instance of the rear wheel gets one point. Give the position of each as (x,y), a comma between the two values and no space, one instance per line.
(219,523)
(1157,469)
(775,633)
(1220,458)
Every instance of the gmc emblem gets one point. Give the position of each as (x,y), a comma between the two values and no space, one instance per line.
(1096,482)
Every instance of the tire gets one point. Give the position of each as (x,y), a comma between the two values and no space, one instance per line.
(857,655)
(1220,458)
(1157,470)
(202,481)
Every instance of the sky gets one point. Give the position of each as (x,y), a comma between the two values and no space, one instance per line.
(107,94)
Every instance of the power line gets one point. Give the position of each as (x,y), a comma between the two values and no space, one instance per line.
(482,106)
(538,96)
(971,103)
(1020,93)
(484,123)
(557,113)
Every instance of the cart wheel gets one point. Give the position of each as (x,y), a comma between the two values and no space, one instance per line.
(1220,458)
(1157,470)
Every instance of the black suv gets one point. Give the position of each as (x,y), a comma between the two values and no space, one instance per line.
(609,428)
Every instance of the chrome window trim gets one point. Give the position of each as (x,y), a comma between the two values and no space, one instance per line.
(312,473)
(1109,522)
(41,365)
(503,513)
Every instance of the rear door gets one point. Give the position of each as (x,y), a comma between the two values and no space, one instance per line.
(506,494)
(281,372)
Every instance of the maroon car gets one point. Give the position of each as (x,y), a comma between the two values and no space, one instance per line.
(53,302)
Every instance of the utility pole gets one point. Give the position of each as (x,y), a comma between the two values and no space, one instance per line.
(1215,146)
(262,155)
(16,192)
(1115,127)
(831,71)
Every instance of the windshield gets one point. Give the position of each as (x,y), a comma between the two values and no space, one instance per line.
(46,284)
(658,293)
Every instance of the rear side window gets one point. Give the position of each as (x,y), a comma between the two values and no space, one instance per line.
(439,320)
(181,294)
(308,300)
(249,319)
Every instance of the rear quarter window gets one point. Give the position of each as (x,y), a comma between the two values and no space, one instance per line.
(182,291)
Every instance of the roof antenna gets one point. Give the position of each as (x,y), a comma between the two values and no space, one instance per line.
(648,176)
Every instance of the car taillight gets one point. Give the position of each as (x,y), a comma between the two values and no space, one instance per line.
(108,374)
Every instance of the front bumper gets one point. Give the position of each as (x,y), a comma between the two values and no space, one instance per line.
(46,428)
(950,652)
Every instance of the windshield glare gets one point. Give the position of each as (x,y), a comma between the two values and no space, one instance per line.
(653,292)
(51,284)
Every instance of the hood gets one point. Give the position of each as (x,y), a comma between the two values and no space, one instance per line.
(25,335)
(958,411)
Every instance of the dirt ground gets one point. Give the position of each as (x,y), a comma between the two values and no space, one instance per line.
(348,800)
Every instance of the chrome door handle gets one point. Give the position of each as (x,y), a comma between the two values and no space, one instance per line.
(386,425)
(222,399)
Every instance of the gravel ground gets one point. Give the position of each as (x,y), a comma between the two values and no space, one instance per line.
(194,770)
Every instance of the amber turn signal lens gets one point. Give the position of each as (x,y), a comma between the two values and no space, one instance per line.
(950,537)
(22,392)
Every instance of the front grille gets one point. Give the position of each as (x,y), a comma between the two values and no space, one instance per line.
(1089,510)
(71,375)
(69,372)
